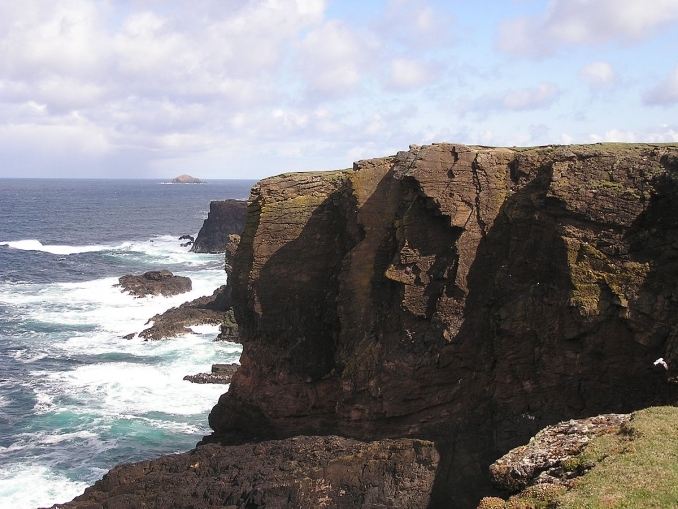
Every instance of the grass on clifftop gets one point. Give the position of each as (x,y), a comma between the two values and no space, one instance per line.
(636,468)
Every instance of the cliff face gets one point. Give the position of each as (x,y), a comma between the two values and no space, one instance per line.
(466,295)
(225,217)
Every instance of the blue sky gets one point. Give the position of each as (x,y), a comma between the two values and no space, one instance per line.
(247,89)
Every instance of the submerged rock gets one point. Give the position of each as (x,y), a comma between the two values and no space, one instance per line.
(155,282)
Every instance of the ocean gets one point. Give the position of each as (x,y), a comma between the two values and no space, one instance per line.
(76,398)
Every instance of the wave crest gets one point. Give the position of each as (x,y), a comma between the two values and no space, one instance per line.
(36,245)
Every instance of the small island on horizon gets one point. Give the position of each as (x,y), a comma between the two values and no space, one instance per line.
(186,179)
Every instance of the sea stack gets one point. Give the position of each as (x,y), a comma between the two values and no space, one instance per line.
(186,179)
(225,218)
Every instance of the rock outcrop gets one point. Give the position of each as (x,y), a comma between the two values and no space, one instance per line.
(466,295)
(224,218)
(186,179)
(541,460)
(220,374)
(178,320)
(304,472)
(155,282)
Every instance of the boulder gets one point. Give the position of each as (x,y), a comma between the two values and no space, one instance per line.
(155,282)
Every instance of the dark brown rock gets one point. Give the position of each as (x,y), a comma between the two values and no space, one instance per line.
(225,218)
(155,282)
(178,320)
(221,374)
(303,472)
(467,295)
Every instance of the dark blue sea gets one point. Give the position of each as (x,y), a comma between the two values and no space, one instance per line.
(75,397)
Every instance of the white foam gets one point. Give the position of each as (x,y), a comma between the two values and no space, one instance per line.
(28,486)
(44,403)
(149,385)
(36,245)
(98,304)
(4,401)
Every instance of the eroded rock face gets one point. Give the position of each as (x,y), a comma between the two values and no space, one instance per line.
(155,282)
(225,218)
(466,295)
(303,472)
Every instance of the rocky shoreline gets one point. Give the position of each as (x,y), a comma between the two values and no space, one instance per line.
(462,297)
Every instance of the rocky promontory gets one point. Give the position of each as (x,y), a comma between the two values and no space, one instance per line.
(155,282)
(460,295)
(225,218)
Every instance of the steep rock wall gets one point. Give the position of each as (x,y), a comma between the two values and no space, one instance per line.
(225,217)
(466,295)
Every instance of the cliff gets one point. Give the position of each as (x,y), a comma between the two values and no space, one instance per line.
(465,295)
(456,295)
(224,218)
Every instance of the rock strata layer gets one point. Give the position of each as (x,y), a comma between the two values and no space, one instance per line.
(466,295)
(155,282)
(303,472)
(225,218)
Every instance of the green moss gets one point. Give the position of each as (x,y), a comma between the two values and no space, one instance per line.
(591,272)
(229,319)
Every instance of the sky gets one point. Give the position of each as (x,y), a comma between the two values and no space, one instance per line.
(250,88)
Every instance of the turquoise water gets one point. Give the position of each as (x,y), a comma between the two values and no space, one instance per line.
(75,397)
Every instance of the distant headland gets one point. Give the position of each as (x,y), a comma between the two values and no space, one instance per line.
(186,179)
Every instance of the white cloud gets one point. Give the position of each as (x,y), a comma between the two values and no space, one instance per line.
(598,74)
(541,96)
(421,26)
(665,92)
(654,134)
(333,57)
(408,73)
(568,22)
